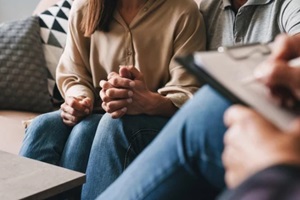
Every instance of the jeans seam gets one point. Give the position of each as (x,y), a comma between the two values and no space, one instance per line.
(131,140)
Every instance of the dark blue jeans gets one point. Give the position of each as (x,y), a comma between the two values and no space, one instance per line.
(185,155)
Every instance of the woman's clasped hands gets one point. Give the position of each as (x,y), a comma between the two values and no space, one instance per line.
(124,92)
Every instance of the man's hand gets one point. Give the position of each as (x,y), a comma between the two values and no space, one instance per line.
(252,144)
(74,109)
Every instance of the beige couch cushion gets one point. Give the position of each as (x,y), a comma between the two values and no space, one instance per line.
(12,126)
(12,129)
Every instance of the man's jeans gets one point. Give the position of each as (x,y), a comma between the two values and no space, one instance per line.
(186,155)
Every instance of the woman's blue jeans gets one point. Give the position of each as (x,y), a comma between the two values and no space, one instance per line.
(99,146)
(49,140)
(117,143)
(186,155)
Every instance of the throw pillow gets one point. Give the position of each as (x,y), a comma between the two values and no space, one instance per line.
(23,72)
(54,28)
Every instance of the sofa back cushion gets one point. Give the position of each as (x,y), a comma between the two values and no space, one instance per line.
(23,72)
(54,28)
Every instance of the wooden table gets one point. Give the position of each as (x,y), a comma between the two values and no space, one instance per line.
(23,178)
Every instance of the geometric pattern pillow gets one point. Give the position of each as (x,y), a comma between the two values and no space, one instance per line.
(54,28)
(23,72)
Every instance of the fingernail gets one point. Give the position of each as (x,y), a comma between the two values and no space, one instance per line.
(107,92)
(130,93)
(129,100)
(132,84)
(124,109)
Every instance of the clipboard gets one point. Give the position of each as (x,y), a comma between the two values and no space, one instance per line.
(225,70)
(189,63)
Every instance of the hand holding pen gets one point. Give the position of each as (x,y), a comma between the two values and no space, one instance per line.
(281,72)
(267,69)
(282,78)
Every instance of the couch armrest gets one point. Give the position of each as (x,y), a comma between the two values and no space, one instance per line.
(12,129)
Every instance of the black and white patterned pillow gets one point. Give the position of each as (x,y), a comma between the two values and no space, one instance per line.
(54,28)
(23,72)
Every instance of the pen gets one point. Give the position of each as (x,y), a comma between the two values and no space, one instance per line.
(292,63)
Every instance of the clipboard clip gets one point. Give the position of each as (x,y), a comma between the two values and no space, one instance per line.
(241,52)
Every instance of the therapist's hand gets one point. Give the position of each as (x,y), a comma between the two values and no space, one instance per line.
(252,144)
(276,73)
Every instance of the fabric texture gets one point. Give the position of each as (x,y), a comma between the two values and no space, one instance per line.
(54,28)
(89,60)
(256,21)
(276,182)
(185,156)
(116,144)
(23,72)
(49,140)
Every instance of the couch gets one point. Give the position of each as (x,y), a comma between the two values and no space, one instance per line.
(13,122)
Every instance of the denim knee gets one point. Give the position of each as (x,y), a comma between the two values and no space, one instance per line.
(127,136)
(204,132)
(116,144)
(45,137)
(44,121)
(199,127)
(40,125)
(77,149)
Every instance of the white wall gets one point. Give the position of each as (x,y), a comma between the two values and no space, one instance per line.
(16,9)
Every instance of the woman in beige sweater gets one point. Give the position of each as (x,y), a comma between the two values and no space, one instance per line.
(120,84)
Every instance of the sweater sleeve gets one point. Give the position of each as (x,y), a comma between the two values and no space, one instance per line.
(189,37)
(73,74)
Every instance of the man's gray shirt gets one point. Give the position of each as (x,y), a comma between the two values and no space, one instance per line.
(256,21)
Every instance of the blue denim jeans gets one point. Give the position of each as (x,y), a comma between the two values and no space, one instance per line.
(186,155)
(107,146)
(116,144)
(49,140)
